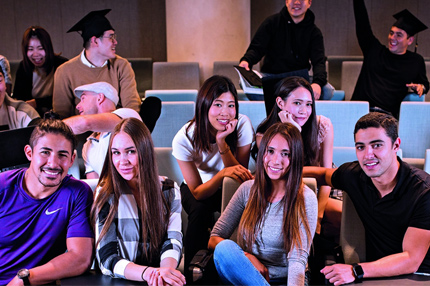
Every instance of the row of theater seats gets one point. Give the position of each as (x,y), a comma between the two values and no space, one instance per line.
(343,72)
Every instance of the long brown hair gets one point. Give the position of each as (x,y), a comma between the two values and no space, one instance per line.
(309,129)
(152,204)
(211,89)
(293,200)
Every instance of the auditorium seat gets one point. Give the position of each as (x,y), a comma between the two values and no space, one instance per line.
(255,110)
(175,75)
(343,155)
(142,68)
(349,76)
(427,161)
(173,94)
(167,164)
(352,235)
(414,131)
(226,68)
(14,64)
(174,114)
(343,115)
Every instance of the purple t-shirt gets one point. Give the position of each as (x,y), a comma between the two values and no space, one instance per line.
(35,231)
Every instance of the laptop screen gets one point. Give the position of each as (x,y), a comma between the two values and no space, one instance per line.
(12,143)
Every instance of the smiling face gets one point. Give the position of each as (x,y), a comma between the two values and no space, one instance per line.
(35,52)
(107,45)
(298,103)
(51,158)
(125,157)
(297,9)
(222,110)
(398,41)
(376,153)
(277,158)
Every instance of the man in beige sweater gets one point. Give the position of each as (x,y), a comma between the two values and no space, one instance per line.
(97,62)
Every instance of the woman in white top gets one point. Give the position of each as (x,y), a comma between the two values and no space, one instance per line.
(215,144)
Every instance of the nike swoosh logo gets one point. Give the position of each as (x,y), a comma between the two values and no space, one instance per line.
(47,212)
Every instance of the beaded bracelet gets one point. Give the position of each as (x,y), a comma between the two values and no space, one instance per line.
(143,273)
(225,151)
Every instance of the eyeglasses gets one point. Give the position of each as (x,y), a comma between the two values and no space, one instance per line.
(112,37)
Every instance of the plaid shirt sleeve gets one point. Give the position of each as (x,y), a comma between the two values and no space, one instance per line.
(107,250)
(172,246)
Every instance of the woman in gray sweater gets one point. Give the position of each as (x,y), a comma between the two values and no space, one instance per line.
(276,216)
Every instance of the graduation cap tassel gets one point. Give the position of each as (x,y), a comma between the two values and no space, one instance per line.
(416,43)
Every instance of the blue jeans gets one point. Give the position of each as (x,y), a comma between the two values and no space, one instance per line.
(233,267)
(327,92)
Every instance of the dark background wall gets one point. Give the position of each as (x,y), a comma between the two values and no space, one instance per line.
(141,24)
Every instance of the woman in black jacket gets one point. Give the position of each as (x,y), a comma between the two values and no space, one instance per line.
(34,81)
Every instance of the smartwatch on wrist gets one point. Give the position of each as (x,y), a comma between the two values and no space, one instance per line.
(358,272)
(24,274)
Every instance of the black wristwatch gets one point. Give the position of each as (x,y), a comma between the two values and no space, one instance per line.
(358,272)
(23,274)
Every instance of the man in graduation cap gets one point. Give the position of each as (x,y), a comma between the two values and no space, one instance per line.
(97,62)
(389,73)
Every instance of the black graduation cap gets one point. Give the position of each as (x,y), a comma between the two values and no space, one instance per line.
(408,22)
(93,24)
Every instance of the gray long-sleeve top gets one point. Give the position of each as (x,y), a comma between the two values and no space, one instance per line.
(269,242)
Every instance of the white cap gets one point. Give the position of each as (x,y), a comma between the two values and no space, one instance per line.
(99,87)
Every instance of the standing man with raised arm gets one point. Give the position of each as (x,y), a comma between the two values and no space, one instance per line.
(44,212)
(290,41)
(388,73)
(392,200)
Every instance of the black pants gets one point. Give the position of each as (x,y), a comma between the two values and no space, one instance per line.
(200,221)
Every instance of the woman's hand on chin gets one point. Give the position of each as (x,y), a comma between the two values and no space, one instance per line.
(287,117)
(229,128)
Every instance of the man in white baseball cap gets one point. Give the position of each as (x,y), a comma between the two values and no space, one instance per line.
(98,114)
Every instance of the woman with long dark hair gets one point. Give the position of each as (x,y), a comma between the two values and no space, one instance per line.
(34,80)
(215,144)
(295,104)
(276,216)
(137,218)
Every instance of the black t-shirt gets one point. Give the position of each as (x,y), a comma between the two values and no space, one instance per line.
(386,219)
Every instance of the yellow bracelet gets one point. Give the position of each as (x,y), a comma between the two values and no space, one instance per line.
(225,151)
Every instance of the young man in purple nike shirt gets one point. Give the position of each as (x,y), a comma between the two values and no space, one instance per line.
(44,212)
